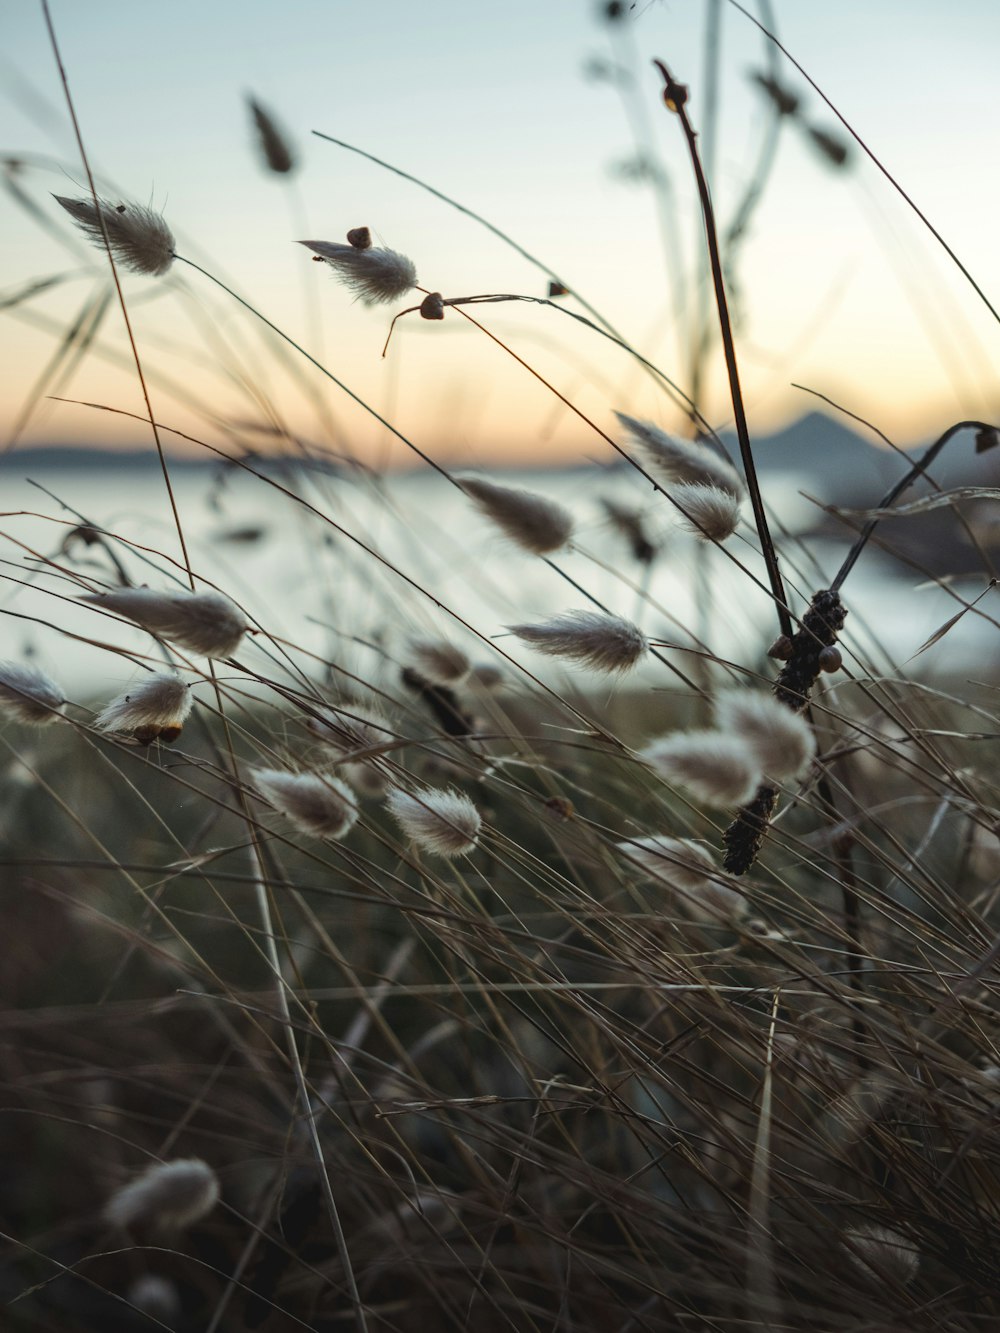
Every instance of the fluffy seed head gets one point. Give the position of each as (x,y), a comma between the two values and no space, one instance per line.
(782,741)
(160,701)
(168,1196)
(689,868)
(316,804)
(534,523)
(711,513)
(443,822)
(683,461)
(438,661)
(352,730)
(884,1252)
(29,694)
(204,622)
(604,642)
(274,146)
(720,770)
(373,275)
(140,239)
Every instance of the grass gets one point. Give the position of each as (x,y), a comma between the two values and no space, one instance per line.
(548,1083)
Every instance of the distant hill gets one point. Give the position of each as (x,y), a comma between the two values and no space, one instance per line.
(829,457)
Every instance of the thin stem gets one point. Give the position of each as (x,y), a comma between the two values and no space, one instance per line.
(676,95)
(871,156)
(271,948)
(319,366)
(118,288)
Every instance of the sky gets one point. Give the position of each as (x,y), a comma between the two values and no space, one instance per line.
(530,115)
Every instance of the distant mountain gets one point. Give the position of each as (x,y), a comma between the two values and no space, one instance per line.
(842,466)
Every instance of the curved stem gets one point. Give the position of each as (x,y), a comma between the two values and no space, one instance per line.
(676,95)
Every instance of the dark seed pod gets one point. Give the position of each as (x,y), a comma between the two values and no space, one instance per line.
(557,289)
(559,808)
(169,734)
(360,238)
(145,735)
(830,659)
(781,649)
(987,438)
(432,306)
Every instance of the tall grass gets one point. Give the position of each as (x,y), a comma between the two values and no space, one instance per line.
(413,968)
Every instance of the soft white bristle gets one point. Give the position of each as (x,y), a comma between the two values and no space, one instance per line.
(689,868)
(717,769)
(534,523)
(203,622)
(140,240)
(604,642)
(683,461)
(782,740)
(709,512)
(168,1196)
(319,805)
(159,700)
(438,661)
(28,694)
(443,822)
(373,275)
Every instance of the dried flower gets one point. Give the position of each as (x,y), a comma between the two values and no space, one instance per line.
(683,461)
(317,804)
(689,868)
(629,523)
(373,275)
(785,102)
(711,513)
(834,149)
(604,642)
(140,240)
(534,523)
(443,822)
(28,694)
(782,741)
(274,146)
(348,733)
(884,1252)
(168,1196)
(717,769)
(204,622)
(438,661)
(156,706)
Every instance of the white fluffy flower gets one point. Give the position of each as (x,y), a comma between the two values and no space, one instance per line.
(604,642)
(443,822)
(709,512)
(688,868)
(158,703)
(203,622)
(534,523)
(28,694)
(681,460)
(168,1196)
(140,239)
(317,804)
(373,275)
(717,769)
(438,661)
(782,740)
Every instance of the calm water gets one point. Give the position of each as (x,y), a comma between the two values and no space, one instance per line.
(312,582)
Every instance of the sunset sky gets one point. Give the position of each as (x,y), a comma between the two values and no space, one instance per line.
(513,109)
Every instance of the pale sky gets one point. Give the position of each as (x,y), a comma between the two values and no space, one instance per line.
(839,286)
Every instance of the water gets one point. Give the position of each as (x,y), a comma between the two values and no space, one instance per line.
(349,584)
